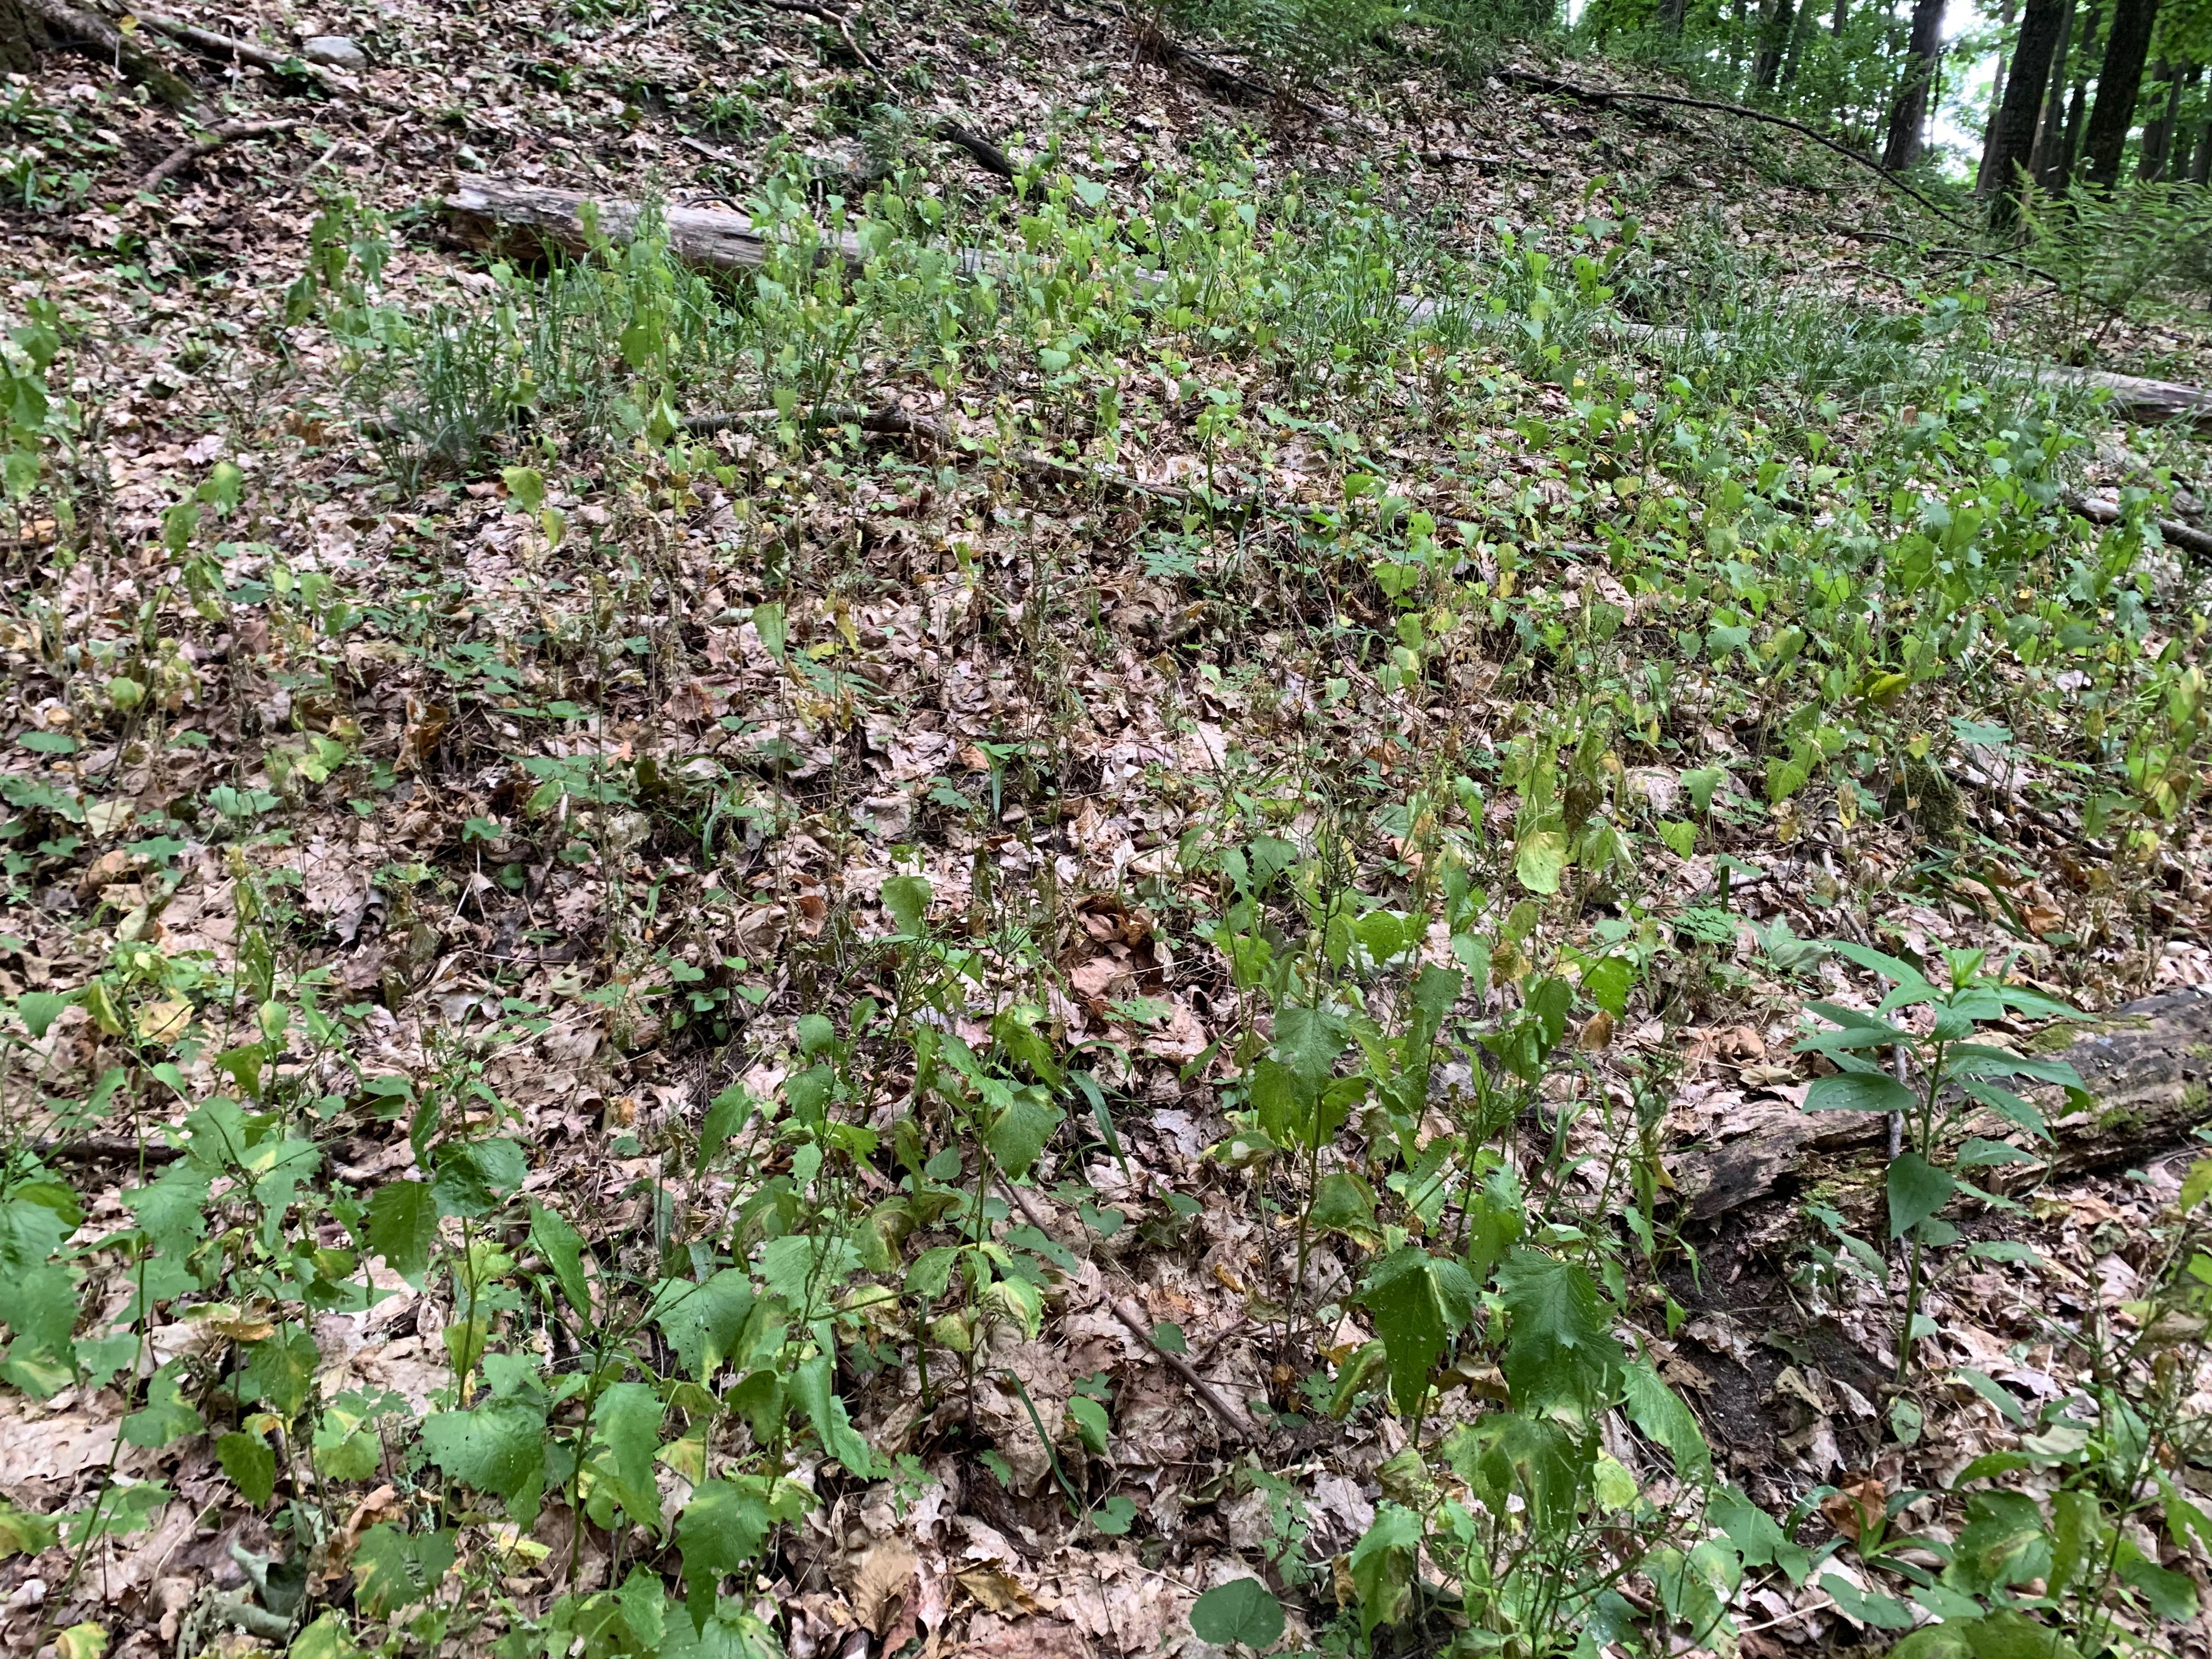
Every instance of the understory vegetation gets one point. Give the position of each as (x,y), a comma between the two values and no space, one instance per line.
(1022,927)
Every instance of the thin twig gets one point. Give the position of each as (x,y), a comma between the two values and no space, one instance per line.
(1231,1417)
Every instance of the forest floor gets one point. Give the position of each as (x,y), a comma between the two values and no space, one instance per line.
(484,852)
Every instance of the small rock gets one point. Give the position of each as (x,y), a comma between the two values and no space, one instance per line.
(333,52)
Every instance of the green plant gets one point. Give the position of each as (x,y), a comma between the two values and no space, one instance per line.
(1943,1081)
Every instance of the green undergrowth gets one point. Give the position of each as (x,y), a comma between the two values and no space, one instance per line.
(1577,554)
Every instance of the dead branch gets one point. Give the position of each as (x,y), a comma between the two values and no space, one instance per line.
(1606,97)
(1232,1418)
(985,154)
(185,155)
(2103,510)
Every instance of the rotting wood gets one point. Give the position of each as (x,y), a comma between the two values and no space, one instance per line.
(524,219)
(2146,1066)
(91,35)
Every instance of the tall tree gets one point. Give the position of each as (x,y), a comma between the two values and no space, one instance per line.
(2057,175)
(2119,79)
(1996,103)
(1670,16)
(2050,125)
(2012,135)
(1908,116)
(1775,18)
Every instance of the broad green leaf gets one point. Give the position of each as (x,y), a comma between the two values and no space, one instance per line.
(562,1246)
(1091,1424)
(1382,1566)
(812,1390)
(167,1416)
(1890,968)
(1539,860)
(1995,1392)
(23,1533)
(1307,1041)
(1917,1190)
(498,1447)
(1421,1302)
(1243,1610)
(472,1179)
(39,1010)
(1660,1413)
(282,1371)
(723,1527)
(1859,1092)
(907,898)
(1757,1537)
(2168,1594)
(1980,1059)
(2075,1530)
(251,1465)
(2003,1543)
(627,1422)
(1561,1353)
(1018,1134)
(701,1320)
(1867,1608)
(401,1225)
(1342,1201)
(393,1569)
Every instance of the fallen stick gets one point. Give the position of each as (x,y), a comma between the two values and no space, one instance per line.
(2098,510)
(511,217)
(1235,1419)
(185,154)
(225,49)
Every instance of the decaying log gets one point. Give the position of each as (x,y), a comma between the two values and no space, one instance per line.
(93,36)
(2146,1066)
(526,219)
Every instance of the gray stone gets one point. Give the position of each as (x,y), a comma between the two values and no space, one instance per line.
(333,52)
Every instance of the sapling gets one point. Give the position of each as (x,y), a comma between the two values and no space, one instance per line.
(1948,1079)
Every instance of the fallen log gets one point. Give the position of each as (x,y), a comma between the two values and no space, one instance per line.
(524,219)
(516,218)
(88,33)
(2146,1066)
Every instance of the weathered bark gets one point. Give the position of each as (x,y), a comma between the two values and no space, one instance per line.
(2012,135)
(1799,35)
(1908,116)
(2200,165)
(2146,1068)
(2057,172)
(2119,80)
(93,36)
(2181,151)
(22,37)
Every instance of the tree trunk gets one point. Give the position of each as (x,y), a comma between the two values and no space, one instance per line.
(1997,105)
(2181,158)
(2158,131)
(1908,116)
(1776,18)
(2050,122)
(2058,174)
(2200,165)
(1670,16)
(1842,16)
(22,37)
(1798,38)
(61,24)
(2118,82)
(2012,135)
